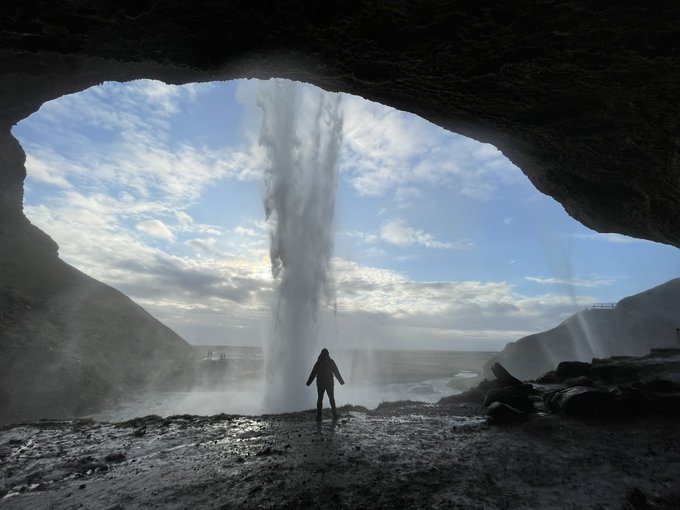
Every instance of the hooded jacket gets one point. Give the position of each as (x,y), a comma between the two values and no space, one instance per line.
(324,370)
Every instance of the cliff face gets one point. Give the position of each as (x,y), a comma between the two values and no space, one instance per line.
(637,324)
(69,343)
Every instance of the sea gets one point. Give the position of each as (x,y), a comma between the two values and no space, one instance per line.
(230,379)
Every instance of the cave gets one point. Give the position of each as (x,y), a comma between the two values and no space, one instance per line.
(581,96)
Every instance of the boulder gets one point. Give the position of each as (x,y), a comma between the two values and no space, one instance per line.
(500,413)
(549,377)
(475,394)
(584,402)
(599,403)
(658,385)
(583,380)
(504,377)
(667,404)
(513,397)
(568,369)
(614,371)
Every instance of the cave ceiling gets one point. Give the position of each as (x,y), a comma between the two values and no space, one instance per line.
(581,95)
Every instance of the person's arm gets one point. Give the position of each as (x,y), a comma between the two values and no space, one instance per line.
(313,374)
(337,373)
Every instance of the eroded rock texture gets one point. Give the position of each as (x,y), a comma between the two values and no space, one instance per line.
(580,95)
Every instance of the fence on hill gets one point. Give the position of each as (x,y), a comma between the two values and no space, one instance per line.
(602,306)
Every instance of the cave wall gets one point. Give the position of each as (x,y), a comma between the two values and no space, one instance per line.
(580,95)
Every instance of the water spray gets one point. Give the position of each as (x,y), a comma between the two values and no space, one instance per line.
(302,135)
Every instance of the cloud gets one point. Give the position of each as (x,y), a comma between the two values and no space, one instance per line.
(575,282)
(608,238)
(372,251)
(206,297)
(443,314)
(390,150)
(117,172)
(155,228)
(364,237)
(206,245)
(405,196)
(124,133)
(43,172)
(245,232)
(397,232)
(183,218)
(188,281)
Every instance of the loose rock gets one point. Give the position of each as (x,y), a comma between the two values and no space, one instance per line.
(584,402)
(513,397)
(504,377)
(572,369)
(500,413)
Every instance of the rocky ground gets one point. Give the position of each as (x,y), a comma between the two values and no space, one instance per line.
(401,455)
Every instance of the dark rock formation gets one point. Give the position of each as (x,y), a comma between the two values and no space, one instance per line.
(500,413)
(584,402)
(513,397)
(504,377)
(582,380)
(67,342)
(580,95)
(550,377)
(505,404)
(572,368)
(611,403)
(638,324)
(619,387)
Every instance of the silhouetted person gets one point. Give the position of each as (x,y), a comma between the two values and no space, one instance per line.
(324,370)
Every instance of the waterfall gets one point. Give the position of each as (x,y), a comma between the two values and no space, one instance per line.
(302,135)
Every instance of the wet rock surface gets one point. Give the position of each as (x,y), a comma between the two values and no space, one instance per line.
(513,397)
(401,455)
(606,389)
(500,413)
(580,95)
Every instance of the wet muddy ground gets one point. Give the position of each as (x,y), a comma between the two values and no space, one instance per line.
(398,456)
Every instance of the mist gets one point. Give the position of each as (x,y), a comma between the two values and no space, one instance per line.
(231,379)
(301,134)
(302,140)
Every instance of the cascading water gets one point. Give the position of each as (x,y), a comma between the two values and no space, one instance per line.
(302,135)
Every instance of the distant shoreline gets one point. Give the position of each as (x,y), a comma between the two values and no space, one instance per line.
(218,347)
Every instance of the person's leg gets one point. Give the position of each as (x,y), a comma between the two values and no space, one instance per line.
(331,397)
(319,401)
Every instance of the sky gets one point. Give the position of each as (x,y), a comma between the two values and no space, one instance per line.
(440,241)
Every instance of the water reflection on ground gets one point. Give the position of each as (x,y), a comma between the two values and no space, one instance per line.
(400,455)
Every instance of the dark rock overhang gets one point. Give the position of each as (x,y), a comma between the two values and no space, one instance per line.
(581,95)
